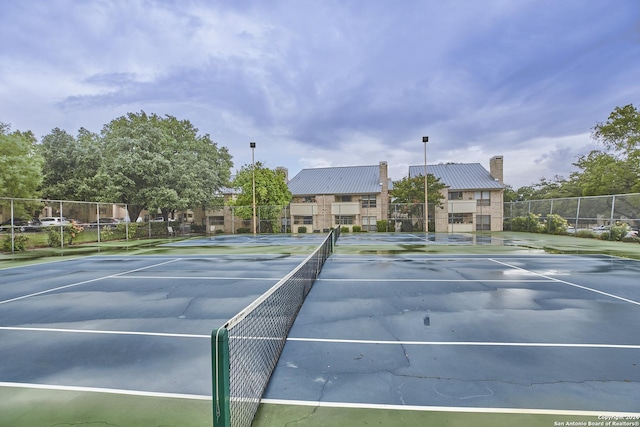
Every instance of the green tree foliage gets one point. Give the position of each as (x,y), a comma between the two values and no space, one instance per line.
(530,223)
(411,190)
(617,169)
(153,162)
(556,188)
(70,165)
(272,193)
(613,170)
(20,168)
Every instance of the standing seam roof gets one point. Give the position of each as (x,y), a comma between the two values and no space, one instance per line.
(337,180)
(460,176)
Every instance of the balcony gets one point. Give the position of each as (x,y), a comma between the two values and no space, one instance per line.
(346,208)
(462,206)
(304,209)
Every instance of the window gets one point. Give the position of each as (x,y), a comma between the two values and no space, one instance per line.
(455,195)
(460,218)
(369,223)
(483,198)
(309,199)
(344,219)
(483,222)
(303,220)
(368,201)
(343,198)
(217,220)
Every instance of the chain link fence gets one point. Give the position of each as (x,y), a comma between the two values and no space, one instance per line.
(582,214)
(33,223)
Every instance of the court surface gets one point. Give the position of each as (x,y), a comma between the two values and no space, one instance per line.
(396,340)
(97,329)
(527,335)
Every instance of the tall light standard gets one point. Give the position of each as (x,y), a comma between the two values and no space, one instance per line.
(425,139)
(253,179)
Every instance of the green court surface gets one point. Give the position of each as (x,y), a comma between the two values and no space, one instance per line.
(32,407)
(33,401)
(274,415)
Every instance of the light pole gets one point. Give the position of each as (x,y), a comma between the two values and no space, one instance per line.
(253,180)
(425,139)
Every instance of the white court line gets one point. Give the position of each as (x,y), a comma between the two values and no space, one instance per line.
(467,343)
(84,282)
(346,405)
(105,390)
(436,280)
(93,331)
(586,288)
(197,278)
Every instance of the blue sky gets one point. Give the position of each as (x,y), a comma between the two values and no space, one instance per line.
(333,82)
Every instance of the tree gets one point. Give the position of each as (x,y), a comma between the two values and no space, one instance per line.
(603,173)
(20,168)
(621,132)
(153,162)
(272,193)
(617,169)
(556,188)
(70,165)
(410,191)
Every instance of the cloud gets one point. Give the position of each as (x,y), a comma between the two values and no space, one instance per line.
(332,82)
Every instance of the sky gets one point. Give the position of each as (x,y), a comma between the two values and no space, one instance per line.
(328,83)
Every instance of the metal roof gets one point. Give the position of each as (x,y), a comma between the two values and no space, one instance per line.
(460,176)
(336,180)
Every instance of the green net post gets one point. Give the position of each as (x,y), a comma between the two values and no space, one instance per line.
(220,370)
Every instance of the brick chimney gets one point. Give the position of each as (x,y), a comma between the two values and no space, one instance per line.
(496,168)
(384,189)
(285,172)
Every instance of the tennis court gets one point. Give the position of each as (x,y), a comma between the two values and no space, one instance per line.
(550,337)
(509,336)
(82,340)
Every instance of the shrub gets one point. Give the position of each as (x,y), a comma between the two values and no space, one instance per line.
(384,225)
(344,229)
(585,234)
(631,239)
(53,237)
(132,227)
(302,229)
(357,229)
(243,230)
(556,224)
(106,233)
(72,231)
(19,243)
(616,232)
(530,223)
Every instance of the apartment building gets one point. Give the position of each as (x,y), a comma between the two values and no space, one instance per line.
(474,196)
(339,196)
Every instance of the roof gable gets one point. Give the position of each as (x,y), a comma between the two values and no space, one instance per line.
(460,176)
(336,180)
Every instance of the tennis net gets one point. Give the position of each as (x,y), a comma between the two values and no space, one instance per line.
(246,349)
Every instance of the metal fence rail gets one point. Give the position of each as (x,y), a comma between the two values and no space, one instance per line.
(582,213)
(102,222)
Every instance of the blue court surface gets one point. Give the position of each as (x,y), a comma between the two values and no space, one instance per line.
(534,334)
(134,326)
(539,335)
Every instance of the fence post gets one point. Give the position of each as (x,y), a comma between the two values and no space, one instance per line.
(61,228)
